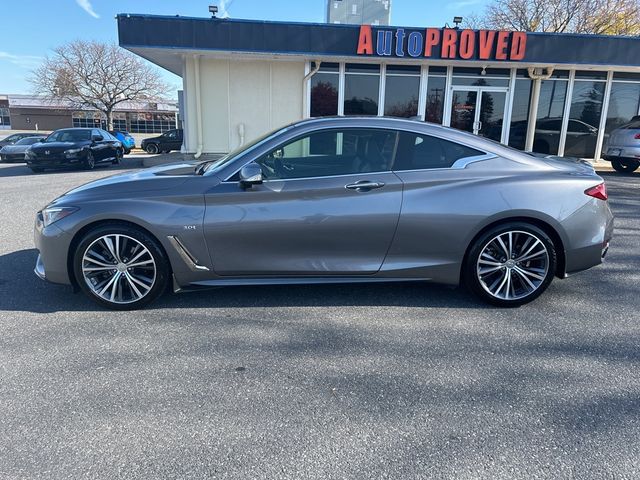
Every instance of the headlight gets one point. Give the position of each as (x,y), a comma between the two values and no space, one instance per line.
(72,152)
(53,214)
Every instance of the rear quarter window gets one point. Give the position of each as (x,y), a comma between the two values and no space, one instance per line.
(422,152)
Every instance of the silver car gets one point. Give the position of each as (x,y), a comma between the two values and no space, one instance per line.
(16,151)
(332,200)
(623,147)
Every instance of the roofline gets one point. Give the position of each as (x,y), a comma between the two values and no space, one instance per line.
(350,25)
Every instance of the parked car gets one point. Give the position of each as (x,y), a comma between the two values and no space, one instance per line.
(580,135)
(11,139)
(16,151)
(125,138)
(74,147)
(333,200)
(623,147)
(169,140)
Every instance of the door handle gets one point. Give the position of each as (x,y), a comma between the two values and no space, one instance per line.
(364,185)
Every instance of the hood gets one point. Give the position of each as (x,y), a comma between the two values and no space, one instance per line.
(14,148)
(147,180)
(57,146)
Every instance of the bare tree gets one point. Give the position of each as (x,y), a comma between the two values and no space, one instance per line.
(97,75)
(605,17)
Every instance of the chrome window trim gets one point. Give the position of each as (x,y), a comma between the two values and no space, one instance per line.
(417,129)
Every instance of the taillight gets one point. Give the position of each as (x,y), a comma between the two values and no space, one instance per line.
(637,136)
(599,192)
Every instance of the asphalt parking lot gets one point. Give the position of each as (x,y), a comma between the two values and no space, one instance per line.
(317,382)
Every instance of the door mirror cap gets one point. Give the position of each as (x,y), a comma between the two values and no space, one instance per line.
(96,138)
(250,174)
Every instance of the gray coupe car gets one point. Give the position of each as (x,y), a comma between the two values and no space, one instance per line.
(15,152)
(332,200)
(623,147)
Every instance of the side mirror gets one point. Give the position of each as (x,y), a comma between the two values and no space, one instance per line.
(250,174)
(96,138)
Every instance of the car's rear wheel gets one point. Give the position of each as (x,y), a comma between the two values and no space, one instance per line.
(121,267)
(625,166)
(90,161)
(151,148)
(511,264)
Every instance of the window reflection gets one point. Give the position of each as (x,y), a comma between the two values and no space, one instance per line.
(401,96)
(520,113)
(584,118)
(624,104)
(361,89)
(435,99)
(549,117)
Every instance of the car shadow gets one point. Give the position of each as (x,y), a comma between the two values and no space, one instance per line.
(21,290)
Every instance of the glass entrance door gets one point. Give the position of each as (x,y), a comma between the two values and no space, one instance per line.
(479,111)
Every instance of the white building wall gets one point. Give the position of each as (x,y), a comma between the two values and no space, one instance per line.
(241,96)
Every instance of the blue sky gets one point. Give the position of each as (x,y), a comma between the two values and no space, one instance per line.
(31,28)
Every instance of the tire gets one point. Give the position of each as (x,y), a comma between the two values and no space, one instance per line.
(625,166)
(89,162)
(36,169)
(133,287)
(118,159)
(502,279)
(151,149)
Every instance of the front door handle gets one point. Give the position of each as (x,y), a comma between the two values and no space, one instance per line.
(364,185)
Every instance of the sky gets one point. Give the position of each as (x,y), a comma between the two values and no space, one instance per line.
(30,29)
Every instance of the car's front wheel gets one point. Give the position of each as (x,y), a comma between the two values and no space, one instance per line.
(625,166)
(121,267)
(151,148)
(511,264)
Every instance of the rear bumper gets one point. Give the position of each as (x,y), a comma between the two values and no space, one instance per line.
(596,236)
(614,152)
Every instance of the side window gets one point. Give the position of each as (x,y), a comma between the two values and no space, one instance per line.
(331,152)
(421,152)
(170,134)
(95,131)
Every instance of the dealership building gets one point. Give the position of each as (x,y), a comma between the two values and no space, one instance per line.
(551,93)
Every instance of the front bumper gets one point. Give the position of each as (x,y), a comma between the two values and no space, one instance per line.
(52,244)
(12,157)
(54,161)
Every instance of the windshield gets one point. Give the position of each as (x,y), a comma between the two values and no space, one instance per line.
(28,141)
(216,165)
(69,136)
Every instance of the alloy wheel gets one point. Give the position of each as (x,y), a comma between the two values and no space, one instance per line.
(119,269)
(513,265)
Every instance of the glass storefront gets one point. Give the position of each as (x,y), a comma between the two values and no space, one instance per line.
(624,103)
(402,90)
(520,110)
(481,101)
(553,94)
(436,90)
(324,90)
(361,89)
(584,114)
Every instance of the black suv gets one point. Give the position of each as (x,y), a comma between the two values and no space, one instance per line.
(169,140)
